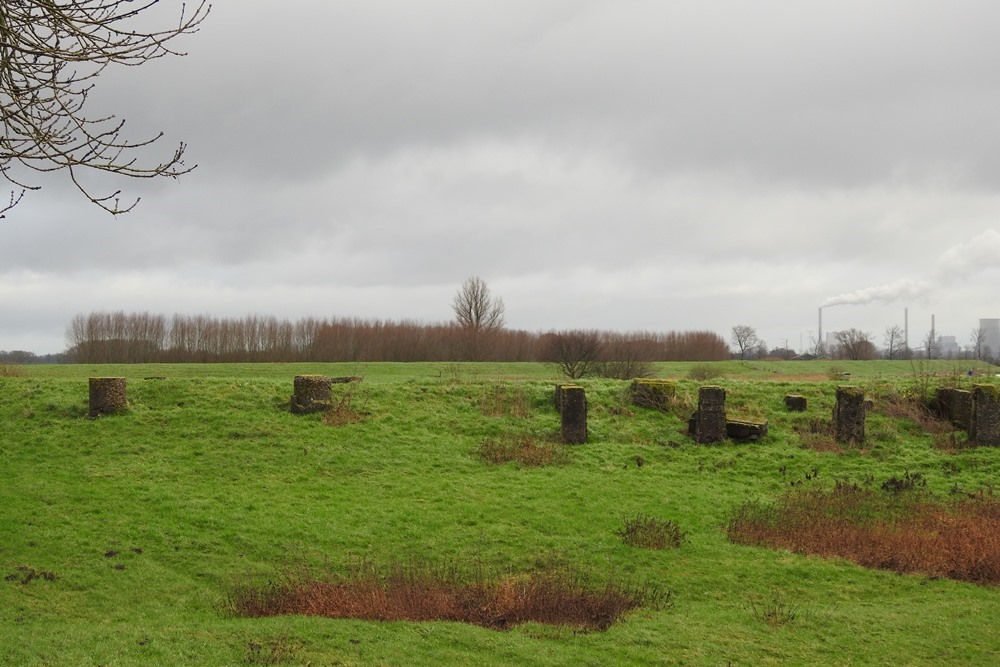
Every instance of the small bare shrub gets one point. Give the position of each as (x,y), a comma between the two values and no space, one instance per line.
(344,409)
(626,369)
(521,448)
(649,532)
(703,372)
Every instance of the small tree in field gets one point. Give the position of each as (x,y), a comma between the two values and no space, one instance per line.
(855,344)
(576,353)
(745,339)
(894,341)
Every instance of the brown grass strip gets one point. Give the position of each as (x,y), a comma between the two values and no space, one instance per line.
(423,594)
(906,533)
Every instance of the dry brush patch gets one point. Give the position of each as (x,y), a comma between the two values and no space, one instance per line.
(648,532)
(897,527)
(523,448)
(429,593)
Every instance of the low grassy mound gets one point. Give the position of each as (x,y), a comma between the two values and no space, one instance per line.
(427,593)
(895,527)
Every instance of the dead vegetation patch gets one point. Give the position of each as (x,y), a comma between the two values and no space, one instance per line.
(523,449)
(502,400)
(428,593)
(897,526)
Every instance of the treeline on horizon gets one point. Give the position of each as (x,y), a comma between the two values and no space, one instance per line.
(118,337)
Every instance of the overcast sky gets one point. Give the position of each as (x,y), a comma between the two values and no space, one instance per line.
(620,164)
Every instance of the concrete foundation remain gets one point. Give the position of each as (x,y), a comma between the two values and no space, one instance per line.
(652,393)
(312,394)
(107,396)
(796,403)
(573,410)
(984,425)
(849,415)
(710,419)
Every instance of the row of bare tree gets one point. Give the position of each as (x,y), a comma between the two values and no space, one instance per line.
(119,337)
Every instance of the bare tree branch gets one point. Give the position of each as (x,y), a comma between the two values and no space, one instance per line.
(50,56)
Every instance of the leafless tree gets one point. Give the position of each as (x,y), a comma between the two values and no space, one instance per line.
(577,353)
(475,308)
(894,341)
(978,340)
(932,345)
(855,344)
(745,339)
(51,54)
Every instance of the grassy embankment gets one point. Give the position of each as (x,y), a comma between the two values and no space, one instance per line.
(148,521)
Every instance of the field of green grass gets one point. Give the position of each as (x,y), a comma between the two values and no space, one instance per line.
(123,537)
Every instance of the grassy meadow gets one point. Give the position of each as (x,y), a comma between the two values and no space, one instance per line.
(123,538)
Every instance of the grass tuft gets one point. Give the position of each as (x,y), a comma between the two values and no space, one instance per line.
(648,532)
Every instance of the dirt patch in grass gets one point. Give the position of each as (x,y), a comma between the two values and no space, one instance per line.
(896,526)
(425,593)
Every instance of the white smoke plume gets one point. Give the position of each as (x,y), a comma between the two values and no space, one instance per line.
(957,263)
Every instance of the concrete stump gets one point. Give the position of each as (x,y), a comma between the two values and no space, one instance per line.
(796,403)
(652,393)
(573,408)
(955,405)
(312,394)
(984,425)
(710,419)
(107,396)
(849,415)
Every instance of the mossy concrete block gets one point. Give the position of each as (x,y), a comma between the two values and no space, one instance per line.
(796,403)
(312,394)
(107,396)
(573,402)
(649,393)
(849,415)
(710,419)
(984,425)
(955,405)
(745,430)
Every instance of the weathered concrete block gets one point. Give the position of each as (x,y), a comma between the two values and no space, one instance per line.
(796,403)
(849,415)
(573,409)
(984,425)
(745,430)
(312,394)
(710,419)
(107,396)
(955,405)
(652,393)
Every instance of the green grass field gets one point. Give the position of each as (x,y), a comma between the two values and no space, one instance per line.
(121,538)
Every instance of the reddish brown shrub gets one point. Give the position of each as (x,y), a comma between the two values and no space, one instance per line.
(894,528)
(428,594)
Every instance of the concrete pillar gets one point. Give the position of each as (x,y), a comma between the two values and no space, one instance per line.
(984,426)
(107,396)
(849,415)
(710,419)
(573,402)
(312,394)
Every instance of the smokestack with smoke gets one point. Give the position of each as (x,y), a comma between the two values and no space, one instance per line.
(957,263)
